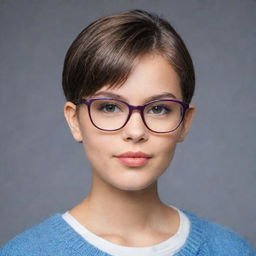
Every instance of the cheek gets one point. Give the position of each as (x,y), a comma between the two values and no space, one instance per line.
(166,149)
(96,147)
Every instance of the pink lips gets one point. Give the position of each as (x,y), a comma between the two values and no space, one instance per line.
(133,158)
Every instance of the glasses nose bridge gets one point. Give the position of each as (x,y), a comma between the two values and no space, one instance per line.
(139,108)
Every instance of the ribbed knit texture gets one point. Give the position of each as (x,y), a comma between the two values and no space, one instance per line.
(54,237)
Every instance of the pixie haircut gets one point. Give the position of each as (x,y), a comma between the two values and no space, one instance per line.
(104,53)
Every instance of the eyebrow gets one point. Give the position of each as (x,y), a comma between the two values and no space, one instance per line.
(151,98)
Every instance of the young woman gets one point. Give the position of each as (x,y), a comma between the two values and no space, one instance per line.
(128,80)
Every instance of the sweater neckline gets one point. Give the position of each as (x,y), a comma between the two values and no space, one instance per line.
(78,243)
(169,246)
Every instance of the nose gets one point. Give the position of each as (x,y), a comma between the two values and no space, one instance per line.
(135,129)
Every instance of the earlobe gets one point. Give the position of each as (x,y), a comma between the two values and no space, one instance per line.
(72,120)
(189,116)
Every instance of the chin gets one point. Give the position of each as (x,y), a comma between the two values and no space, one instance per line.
(134,186)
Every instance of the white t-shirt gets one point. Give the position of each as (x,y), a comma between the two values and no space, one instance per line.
(166,248)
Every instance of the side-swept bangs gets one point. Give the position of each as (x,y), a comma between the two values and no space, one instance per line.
(105,52)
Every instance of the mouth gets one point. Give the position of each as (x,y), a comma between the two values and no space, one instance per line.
(134,159)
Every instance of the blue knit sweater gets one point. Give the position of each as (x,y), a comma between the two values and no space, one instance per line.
(54,237)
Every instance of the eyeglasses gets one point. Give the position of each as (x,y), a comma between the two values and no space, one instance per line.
(159,116)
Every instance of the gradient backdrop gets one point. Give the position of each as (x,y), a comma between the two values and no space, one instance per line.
(43,171)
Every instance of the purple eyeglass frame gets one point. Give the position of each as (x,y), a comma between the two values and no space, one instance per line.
(131,108)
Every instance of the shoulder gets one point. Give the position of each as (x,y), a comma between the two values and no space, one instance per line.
(219,240)
(35,240)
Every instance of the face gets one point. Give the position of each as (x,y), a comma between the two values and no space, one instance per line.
(151,76)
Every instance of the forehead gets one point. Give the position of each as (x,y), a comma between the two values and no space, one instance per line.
(151,75)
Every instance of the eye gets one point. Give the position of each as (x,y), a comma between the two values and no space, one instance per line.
(159,109)
(109,108)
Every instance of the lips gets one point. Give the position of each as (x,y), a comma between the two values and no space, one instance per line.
(134,158)
(131,154)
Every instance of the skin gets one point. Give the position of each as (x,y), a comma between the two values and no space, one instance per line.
(123,205)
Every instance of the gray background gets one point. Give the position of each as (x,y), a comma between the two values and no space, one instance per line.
(43,171)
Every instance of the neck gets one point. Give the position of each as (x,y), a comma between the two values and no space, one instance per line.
(111,210)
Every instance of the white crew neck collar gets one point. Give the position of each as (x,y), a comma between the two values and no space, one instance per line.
(168,247)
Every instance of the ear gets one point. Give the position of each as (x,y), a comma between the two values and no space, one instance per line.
(189,116)
(72,120)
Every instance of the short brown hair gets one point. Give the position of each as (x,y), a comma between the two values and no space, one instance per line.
(105,52)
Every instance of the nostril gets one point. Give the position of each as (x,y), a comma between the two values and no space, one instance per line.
(135,129)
